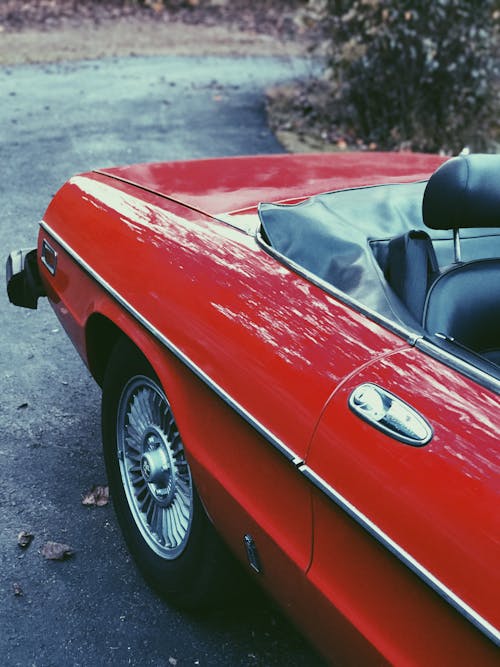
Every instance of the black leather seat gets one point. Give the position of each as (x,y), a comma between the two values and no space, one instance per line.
(411,269)
(462,302)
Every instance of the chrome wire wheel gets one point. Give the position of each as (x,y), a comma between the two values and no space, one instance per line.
(153,467)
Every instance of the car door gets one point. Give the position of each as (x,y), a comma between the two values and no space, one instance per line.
(264,342)
(406,535)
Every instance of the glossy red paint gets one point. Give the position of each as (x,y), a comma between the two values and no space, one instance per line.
(264,361)
(392,618)
(222,185)
(201,283)
(437,502)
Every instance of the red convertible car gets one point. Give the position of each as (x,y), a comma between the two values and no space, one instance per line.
(300,360)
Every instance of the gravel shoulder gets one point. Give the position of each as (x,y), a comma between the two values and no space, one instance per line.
(129,36)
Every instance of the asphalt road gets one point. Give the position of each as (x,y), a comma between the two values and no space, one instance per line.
(94,609)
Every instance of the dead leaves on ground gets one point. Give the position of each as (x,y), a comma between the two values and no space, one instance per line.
(56,551)
(50,550)
(17,590)
(24,539)
(98,496)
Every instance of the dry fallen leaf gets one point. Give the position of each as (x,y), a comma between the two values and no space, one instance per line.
(24,539)
(97,496)
(18,591)
(56,551)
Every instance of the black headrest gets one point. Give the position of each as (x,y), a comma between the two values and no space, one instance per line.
(464,192)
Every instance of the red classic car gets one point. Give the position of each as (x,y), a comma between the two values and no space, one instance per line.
(312,382)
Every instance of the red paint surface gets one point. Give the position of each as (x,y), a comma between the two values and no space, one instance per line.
(438,502)
(289,354)
(222,185)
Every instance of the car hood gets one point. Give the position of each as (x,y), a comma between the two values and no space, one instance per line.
(221,186)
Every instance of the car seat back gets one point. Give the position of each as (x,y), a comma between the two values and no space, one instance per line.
(411,268)
(462,301)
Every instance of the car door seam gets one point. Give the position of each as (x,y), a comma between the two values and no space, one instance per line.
(402,555)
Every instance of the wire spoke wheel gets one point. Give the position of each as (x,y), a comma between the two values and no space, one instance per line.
(153,467)
(154,495)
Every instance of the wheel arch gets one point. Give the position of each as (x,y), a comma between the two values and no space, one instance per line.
(103,332)
(181,386)
(101,335)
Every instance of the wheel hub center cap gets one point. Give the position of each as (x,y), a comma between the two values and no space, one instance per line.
(155,467)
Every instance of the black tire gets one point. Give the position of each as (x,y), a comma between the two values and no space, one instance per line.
(159,511)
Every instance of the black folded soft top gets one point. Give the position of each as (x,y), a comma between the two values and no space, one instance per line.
(342,237)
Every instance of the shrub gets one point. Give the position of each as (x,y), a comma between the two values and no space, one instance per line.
(420,74)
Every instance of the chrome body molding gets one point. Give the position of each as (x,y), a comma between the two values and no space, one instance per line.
(401,554)
(485,379)
(361,519)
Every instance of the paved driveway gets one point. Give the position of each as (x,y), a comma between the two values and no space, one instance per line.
(94,609)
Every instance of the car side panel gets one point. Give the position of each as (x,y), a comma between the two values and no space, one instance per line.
(359,589)
(209,308)
(438,504)
(260,332)
(246,485)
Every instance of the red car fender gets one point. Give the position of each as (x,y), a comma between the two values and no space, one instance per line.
(397,542)
(238,475)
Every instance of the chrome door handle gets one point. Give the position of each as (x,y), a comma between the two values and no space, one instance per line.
(390,414)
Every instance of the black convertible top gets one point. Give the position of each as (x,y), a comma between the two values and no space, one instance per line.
(342,238)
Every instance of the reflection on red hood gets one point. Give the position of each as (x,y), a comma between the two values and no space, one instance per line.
(223,185)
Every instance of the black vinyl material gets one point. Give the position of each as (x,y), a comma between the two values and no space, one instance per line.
(411,268)
(464,303)
(464,192)
(371,243)
(330,236)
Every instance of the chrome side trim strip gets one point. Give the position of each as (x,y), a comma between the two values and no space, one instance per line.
(176,351)
(361,519)
(485,379)
(441,589)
